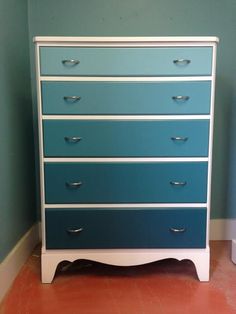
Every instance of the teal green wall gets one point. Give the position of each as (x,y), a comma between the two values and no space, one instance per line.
(161,18)
(17,205)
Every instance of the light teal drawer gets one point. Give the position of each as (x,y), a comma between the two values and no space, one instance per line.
(102,182)
(126,97)
(126,61)
(125,228)
(121,138)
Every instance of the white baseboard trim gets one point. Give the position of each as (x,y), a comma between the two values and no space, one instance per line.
(12,264)
(234,251)
(222,229)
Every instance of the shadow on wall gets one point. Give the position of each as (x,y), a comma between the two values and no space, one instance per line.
(231,186)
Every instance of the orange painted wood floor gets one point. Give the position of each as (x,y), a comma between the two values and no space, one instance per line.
(164,287)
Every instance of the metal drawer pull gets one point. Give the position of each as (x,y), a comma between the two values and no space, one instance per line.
(72,99)
(182,62)
(72,139)
(180,98)
(70,62)
(179,138)
(73,185)
(74,231)
(179,230)
(178,183)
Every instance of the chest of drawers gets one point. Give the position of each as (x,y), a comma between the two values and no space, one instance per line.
(125,142)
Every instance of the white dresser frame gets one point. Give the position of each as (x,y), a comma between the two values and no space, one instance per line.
(125,257)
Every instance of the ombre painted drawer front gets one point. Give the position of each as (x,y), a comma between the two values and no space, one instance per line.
(147,61)
(126,97)
(125,138)
(125,228)
(127,182)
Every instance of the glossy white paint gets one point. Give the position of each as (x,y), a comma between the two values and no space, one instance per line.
(200,258)
(169,40)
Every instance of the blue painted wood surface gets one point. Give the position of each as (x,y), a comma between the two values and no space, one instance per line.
(126,61)
(125,138)
(126,182)
(126,97)
(125,228)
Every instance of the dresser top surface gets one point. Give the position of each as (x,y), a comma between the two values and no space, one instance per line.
(134,39)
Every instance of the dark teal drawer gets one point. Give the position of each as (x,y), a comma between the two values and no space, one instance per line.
(126,97)
(125,228)
(122,138)
(167,182)
(126,61)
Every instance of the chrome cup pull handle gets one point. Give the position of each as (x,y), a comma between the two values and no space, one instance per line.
(180,98)
(72,139)
(182,62)
(70,62)
(177,230)
(178,183)
(73,185)
(179,139)
(74,230)
(71,99)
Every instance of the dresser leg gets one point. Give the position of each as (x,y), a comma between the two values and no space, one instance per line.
(48,267)
(202,265)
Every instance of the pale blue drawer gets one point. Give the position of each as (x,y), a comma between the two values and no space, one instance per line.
(125,138)
(125,228)
(126,97)
(126,61)
(167,182)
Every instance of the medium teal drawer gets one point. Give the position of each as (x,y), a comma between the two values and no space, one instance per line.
(121,138)
(125,228)
(126,97)
(126,61)
(102,182)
